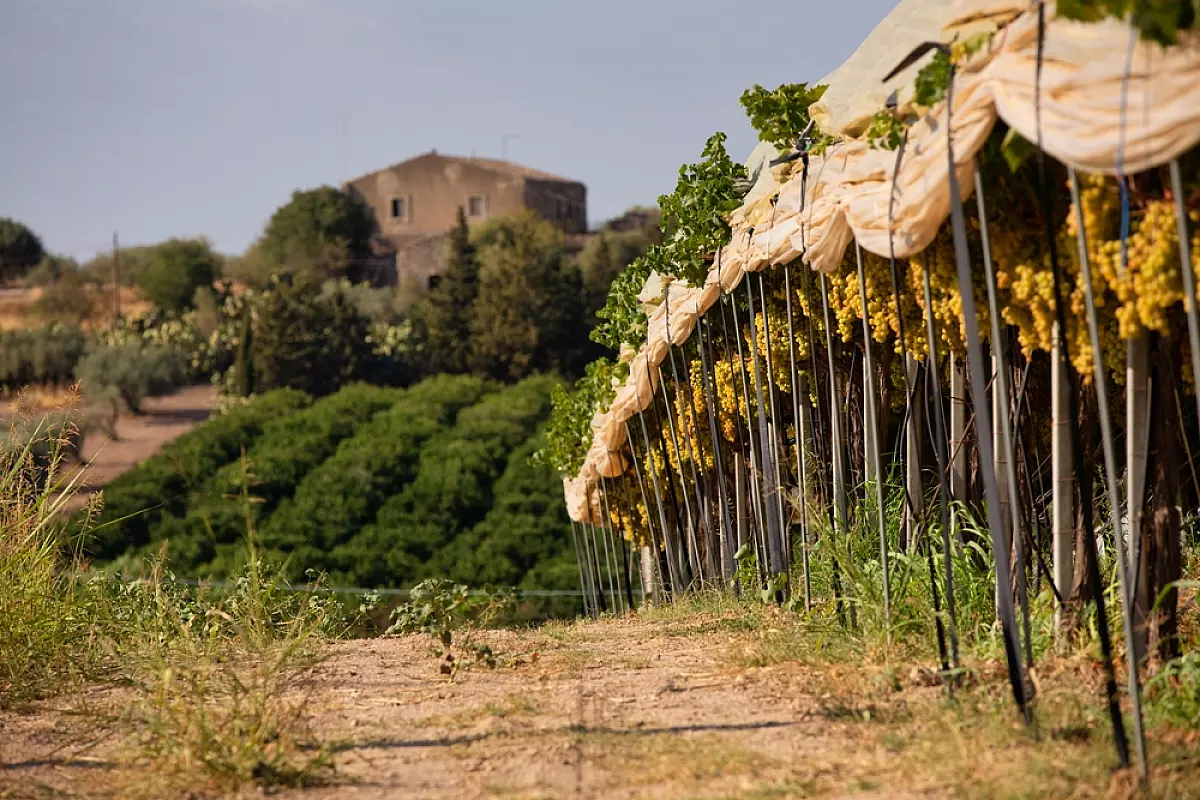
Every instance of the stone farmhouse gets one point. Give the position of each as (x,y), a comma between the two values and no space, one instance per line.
(416,202)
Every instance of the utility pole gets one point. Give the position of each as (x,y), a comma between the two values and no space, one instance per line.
(116,281)
(504,143)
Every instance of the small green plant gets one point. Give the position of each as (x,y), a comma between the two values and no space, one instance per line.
(747,566)
(1173,695)
(440,608)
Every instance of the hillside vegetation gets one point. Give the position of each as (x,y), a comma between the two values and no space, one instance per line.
(372,486)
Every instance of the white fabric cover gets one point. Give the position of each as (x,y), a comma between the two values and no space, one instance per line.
(848,189)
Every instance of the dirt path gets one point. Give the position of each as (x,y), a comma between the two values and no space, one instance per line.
(139,437)
(622,710)
(677,704)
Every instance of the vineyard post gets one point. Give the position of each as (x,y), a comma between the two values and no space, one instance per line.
(1189,277)
(1125,578)
(798,419)
(957,443)
(703,490)
(776,432)
(693,551)
(835,428)
(940,450)
(1001,403)
(597,572)
(579,563)
(913,422)
(709,383)
(683,518)
(983,423)
(1062,485)
(871,438)
(653,549)
(753,470)
(766,449)
(1137,442)
(672,564)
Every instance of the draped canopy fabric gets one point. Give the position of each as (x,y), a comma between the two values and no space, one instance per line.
(1092,116)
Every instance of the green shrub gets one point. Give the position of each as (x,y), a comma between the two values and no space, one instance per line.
(450,492)
(526,526)
(46,355)
(334,501)
(131,372)
(289,447)
(137,502)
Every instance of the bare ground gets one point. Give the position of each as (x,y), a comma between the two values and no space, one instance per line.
(676,704)
(140,436)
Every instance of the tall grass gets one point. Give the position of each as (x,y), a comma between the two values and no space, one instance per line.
(50,623)
(218,679)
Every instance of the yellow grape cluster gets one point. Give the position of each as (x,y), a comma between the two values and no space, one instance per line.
(728,397)
(632,526)
(780,357)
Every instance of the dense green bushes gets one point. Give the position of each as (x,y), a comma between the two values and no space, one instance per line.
(46,355)
(289,447)
(137,502)
(372,486)
(521,539)
(334,501)
(451,491)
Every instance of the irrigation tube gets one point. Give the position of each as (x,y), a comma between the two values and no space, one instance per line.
(801,465)
(1000,391)
(1110,469)
(871,438)
(983,423)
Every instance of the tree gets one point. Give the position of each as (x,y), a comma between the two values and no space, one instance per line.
(131,372)
(529,314)
(177,269)
(448,307)
(20,249)
(318,232)
(64,300)
(305,340)
(604,257)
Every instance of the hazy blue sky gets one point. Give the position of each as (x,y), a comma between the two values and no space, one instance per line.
(160,118)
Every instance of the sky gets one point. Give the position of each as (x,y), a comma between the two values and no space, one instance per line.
(161,118)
